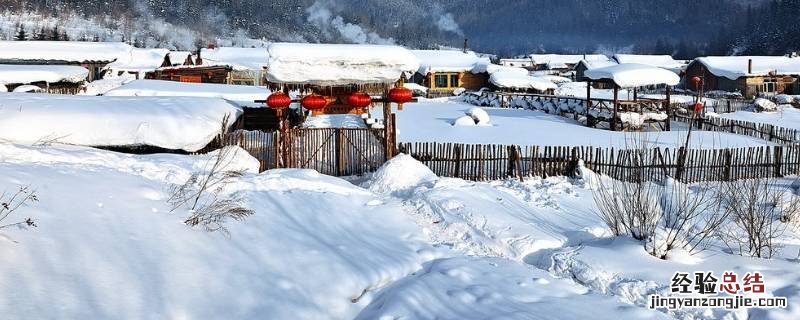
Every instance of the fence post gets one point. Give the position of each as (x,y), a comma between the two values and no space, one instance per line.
(512,161)
(728,164)
(457,165)
(681,163)
(339,152)
(778,154)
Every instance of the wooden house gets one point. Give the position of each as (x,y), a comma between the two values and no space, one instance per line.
(93,56)
(562,63)
(137,63)
(514,79)
(50,79)
(749,75)
(526,63)
(585,65)
(444,72)
(195,74)
(248,65)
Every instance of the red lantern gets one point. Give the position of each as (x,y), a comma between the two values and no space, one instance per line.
(359,99)
(314,102)
(279,100)
(697,82)
(400,95)
(698,107)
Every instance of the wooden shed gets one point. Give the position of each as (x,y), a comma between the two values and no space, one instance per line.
(749,75)
(93,56)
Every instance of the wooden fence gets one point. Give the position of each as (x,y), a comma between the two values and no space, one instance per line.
(334,151)
(494,162)
(763,131)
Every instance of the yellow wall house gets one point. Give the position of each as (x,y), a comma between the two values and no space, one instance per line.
(443,72)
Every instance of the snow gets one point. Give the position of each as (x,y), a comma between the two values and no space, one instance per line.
(417,88)
(554,79)
(241,95)
(784,116)
(184,123)
(735,67)
(591,64)
(431,120)
(3,88)
(464,121)
(101,86)
(334,121)
(400,175)
(139,60)
(237,58)
(338,64)
(71,51)
(177,58)
(762,104)
(562,60)
(107,245)
(492,288)
(28,88)
(449,61)
(480,116)
(661,61)
(15,74)
(634,75)
(514,80)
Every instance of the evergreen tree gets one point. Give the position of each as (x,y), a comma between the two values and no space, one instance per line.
(21,35)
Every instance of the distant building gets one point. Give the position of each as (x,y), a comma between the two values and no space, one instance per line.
(445,71)
(750,75)
(225,65)
(137,62)
(562,63)
(43,78)
(661,61)
(93,56)
(526,63)
(584,65)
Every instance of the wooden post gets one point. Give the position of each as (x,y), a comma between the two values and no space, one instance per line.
(778,154)
(635,94)
(667,106)
(394,135)
(616,106)
(340,152)
(387,124)
(588,100)
(457,165)
(681,163)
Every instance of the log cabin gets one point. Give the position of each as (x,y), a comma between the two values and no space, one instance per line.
(444,72)
(585,65)
(562,63)
(749,75)
(137,63)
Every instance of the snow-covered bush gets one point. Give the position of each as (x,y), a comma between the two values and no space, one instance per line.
(399,176)
(479,115)
(759,209)
(784,99)
(464,121)
(764,105)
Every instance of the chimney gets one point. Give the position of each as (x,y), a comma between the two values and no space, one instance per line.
(465,45)
(198,60)
(749,66)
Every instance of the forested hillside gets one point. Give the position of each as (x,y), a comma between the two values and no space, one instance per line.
(684,28)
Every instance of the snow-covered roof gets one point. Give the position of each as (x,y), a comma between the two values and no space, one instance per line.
(450,61)
(338,64)
(737,67)
(69,51)
(591,64)
(243,95)
(661,61)
(630,75)
(236,58)
(514,80)
(37,73)
(178,57)
(560,61)
(186,123)
(139,60)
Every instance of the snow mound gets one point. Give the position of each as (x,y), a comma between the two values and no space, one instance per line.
(3,88)
(479,115)
(184,123)
(28,88)
(38,73)
(764,105)
(784,99)
(400,175)
(465,121)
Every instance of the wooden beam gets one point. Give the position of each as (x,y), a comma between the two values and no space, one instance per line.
(616,106)
(667,106)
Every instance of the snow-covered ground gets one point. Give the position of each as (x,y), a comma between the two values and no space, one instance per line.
(432,121)
(786,116)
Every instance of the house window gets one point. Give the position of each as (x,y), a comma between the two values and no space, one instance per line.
(454,81)
(440,81)
(191,78)
(769,85)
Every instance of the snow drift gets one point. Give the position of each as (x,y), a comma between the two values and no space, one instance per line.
(180,123)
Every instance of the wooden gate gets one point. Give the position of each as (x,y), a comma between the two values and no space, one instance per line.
(331,151)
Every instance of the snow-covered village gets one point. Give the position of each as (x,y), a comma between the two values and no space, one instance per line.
(343,159)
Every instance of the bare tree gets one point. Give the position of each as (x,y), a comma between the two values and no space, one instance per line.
(11,203)
(757,208)
(203,193)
